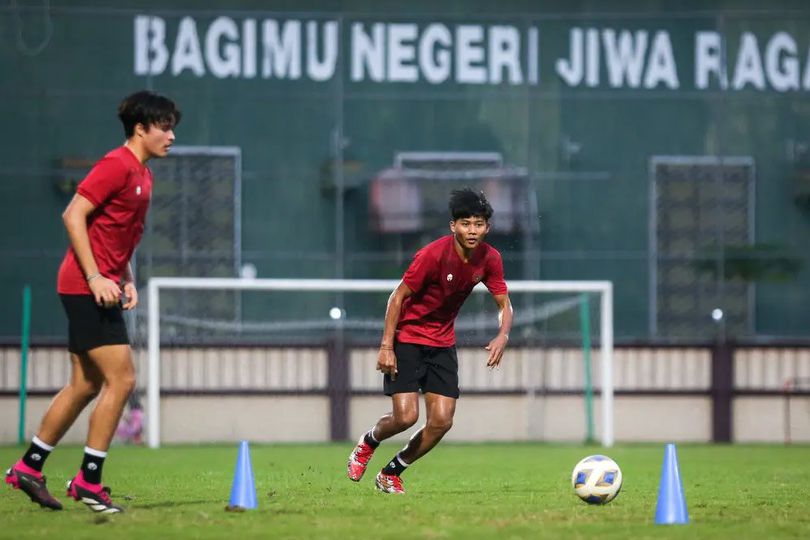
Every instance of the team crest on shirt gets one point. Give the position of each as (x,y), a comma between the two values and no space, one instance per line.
(449,277)
(138,190)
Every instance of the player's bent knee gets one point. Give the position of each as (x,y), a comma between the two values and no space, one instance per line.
(402,425)
(406,421)
(128,384)
(86,391)
(441,425)
(123,384)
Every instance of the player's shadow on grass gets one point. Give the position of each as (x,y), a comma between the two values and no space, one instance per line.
(289,511)
(482,491)
(173,504)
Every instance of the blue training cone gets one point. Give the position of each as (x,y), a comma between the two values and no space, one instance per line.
(671,507)
(243,492)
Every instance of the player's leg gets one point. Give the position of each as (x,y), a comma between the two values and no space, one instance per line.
(26,474)
(404,414)
(85,383)
(440,385)
(115,365)
(441,392)
(404,392)
(440,411)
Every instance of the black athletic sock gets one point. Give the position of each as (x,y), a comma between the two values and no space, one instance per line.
(92,465)
(36,455)
(396,466)
(368,438)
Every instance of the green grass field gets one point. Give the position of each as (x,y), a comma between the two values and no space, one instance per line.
(457,491)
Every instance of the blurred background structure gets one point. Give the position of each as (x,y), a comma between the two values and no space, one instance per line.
(666,150)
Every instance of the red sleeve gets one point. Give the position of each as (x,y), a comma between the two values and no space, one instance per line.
(420,272)
(106,178)
(493,279)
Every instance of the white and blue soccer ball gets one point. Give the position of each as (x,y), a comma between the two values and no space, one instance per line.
(597,479)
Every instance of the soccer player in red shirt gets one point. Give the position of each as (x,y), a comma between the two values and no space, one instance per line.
(418,351)
(104,222)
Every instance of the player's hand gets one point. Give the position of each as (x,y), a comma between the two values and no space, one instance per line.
(106,292)
(387,363)
(130,295)
(496,348)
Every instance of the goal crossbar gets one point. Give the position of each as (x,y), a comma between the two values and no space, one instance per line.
(603,288)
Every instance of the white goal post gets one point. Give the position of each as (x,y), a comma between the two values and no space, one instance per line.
(603,288)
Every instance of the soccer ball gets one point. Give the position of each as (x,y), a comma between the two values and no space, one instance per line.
(597,479)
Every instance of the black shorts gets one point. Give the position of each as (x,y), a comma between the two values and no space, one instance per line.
(424,368)
(90,325)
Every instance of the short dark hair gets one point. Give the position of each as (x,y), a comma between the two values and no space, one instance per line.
(466,203)
(147,108)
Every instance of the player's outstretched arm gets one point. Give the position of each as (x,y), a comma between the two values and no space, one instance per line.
(497,345)
(105,291)
(386,359)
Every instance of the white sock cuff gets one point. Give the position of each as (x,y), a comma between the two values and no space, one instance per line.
(45,446)
(94,452)
(402,461)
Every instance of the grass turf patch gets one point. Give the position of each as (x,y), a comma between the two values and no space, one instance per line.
(457,491)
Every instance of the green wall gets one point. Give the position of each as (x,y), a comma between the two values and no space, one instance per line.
(60,102)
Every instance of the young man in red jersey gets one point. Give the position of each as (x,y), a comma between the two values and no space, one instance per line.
(418,351)
(104,222)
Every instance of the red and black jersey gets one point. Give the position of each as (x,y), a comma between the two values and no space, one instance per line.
(441,281)
(120,187)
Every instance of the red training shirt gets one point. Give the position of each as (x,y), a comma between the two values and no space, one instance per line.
(441,281)
(120,187)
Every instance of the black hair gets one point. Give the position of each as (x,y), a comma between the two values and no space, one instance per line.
(147,108)
(466,203)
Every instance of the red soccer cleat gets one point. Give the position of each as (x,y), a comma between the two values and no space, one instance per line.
(95,496)
(389,483)
(358,460)
(32,483)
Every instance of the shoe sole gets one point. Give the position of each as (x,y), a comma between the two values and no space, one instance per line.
(98,508)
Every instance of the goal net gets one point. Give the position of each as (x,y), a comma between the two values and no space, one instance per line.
(328,331)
